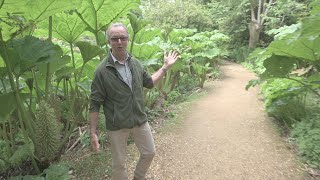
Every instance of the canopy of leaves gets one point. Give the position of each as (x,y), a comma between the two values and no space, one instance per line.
(88,51)
(67,27)
(26,52)
(145,35)
(98,14)
(146,51)
(17,16)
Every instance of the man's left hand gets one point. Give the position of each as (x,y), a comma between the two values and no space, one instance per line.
(170,58)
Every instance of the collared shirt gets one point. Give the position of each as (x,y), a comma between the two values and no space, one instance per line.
(124,70)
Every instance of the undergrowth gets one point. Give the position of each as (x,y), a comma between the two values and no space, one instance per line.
(307,136)
(297,113)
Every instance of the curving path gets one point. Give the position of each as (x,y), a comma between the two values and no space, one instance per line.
(226,135)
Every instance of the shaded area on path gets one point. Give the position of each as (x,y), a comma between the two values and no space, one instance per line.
(226,135)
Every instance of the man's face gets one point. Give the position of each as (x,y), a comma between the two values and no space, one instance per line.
(118,39)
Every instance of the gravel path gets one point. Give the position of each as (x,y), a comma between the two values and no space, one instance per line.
(225,135)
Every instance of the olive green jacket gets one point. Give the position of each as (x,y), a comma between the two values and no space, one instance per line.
(123,107)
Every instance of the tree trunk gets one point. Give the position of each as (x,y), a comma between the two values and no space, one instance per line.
(254,30)
(258,13)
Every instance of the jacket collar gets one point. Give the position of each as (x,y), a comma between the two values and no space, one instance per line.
(110,61)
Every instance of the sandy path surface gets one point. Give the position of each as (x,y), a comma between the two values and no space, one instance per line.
(225,135)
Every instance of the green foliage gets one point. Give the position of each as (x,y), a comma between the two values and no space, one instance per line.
(289,67)
(302,41)
(146,35)
(315,7)
(203,51)
(136,23)
(20,17)
(46,132)
(27,177)
(147,51)
(102,136)
(284,100)
(253,83)
(66,26)
(307,136)
(176,36)
(240,54)
(4,154)
(288,111)
(173,97)
(232,18)
(21,153)
(285,12)
(88,51)
(86,165)
(277,89)
(255,61)
(54,172)
(57,171)
(278,66)
(178,14)
(7,108)
(27,52)
(152,96)
(283,31)
(294,45)
(98,14)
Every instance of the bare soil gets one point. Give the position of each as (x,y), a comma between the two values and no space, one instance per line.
(225,135)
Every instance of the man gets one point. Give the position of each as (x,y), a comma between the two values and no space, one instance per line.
(118,86)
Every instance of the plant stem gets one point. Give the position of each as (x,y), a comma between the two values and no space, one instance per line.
(73,62)
(24,114)
(4,86)
(305,85)
(5,137)
(48,75)
(36,86)
(131,46)
(11,135)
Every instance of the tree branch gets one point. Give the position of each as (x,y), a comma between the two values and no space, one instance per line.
(253,17)
(265,13)
(259,11)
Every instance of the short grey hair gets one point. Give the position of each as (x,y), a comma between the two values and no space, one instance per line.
(116,25)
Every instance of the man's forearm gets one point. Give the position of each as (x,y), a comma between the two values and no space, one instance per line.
(169,60)
(158,75)
(94,117)
(94,140)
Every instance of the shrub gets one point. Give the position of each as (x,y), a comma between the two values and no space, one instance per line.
(288,111)
(307,137)
(285,100)
(240,54)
